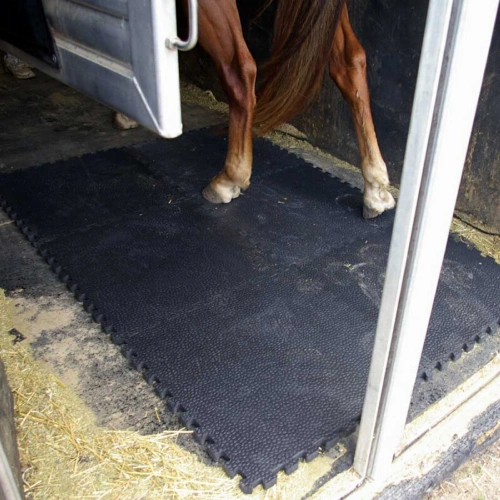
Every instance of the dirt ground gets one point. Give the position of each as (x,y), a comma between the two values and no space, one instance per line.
(477,479)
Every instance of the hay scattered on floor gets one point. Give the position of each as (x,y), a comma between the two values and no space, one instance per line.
(65,455)
(191,94)
(478,478)
(487,244)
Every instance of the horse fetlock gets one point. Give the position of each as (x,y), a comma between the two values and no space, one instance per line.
(377,199)
(375,172)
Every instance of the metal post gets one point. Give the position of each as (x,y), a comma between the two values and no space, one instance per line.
(454,54)
(8,487)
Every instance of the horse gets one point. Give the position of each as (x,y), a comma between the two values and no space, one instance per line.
(308,36)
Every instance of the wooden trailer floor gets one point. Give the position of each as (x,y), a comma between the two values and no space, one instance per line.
(55,325)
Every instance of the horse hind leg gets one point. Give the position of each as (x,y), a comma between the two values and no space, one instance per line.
(348,70)
(221,36)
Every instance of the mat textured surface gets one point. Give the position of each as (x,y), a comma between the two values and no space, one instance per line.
(255,319)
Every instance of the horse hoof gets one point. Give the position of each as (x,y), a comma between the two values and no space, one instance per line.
(211,195)
(17,68)
(222,195)
(376,202)
(123,122)
(369,213)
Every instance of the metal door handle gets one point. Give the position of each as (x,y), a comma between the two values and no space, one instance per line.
(192,40)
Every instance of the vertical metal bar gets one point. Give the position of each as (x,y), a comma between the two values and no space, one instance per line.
(433,49)
(8,486)
(454,54)
(164,20)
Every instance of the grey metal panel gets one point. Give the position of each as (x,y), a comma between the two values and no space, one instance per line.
(111,84)
(97,30)
(143,61)
(122,62)
(117,8)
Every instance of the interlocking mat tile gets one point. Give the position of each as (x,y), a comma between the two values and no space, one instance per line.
(256,319)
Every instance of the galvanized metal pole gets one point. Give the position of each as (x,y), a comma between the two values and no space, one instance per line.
(454,54)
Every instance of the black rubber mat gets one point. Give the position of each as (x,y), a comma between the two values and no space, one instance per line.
(255,319)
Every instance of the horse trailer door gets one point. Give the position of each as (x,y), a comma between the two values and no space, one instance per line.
(120,52)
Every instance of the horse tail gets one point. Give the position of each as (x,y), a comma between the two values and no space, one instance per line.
(303,38)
